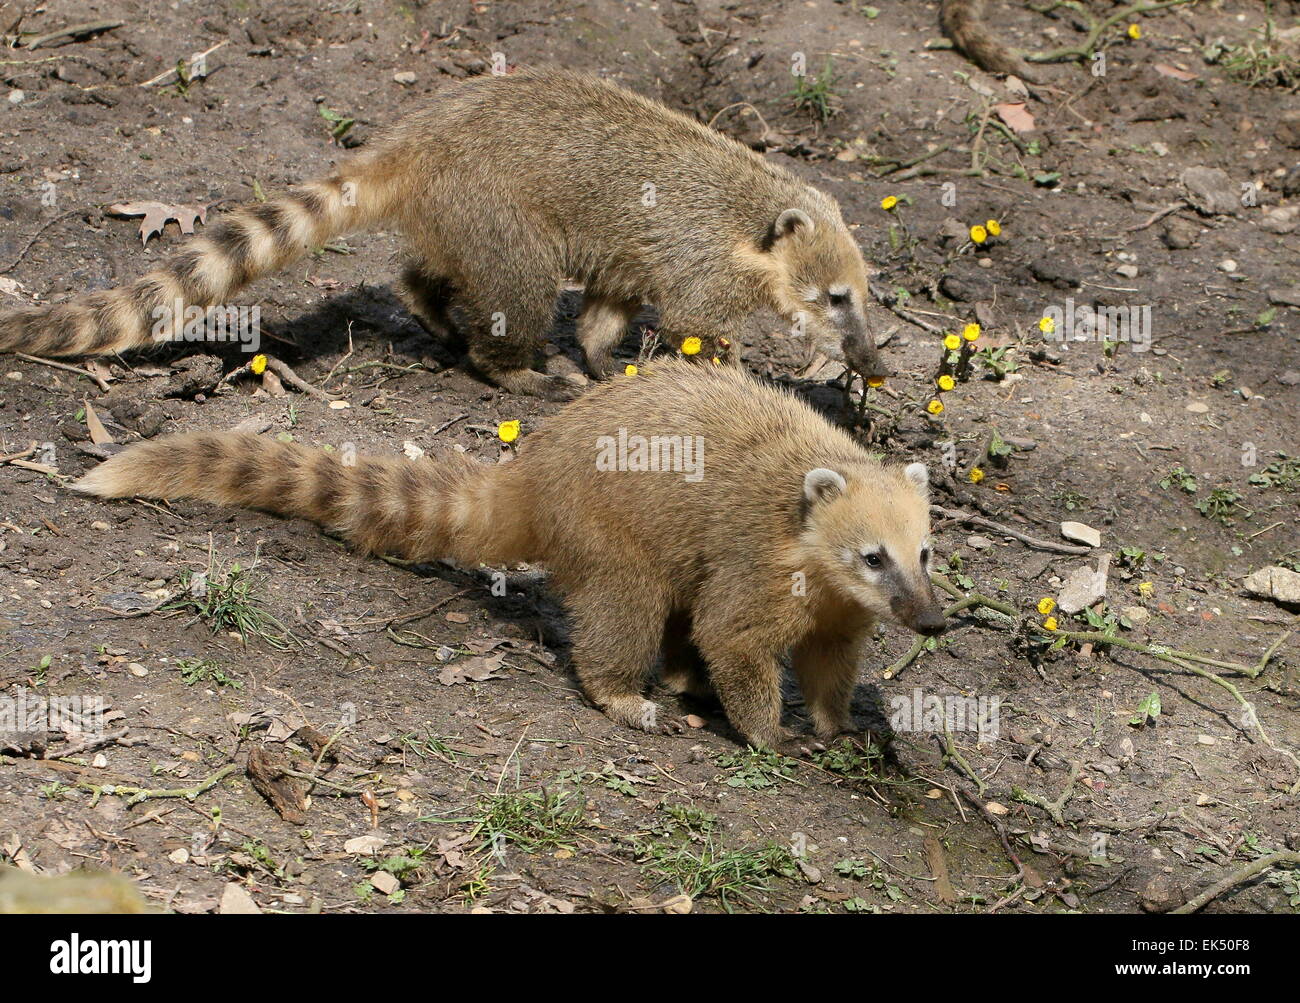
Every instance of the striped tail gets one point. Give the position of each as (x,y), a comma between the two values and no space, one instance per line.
(251,241)
(421,510)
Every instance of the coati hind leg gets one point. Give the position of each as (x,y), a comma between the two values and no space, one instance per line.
(616,637)
(684,672)
(601,326)
(827,667)
(505,337)
(428,298)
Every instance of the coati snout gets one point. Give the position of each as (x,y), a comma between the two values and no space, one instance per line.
(878,537)
(822,280)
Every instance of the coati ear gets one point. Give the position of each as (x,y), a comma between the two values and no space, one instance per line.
(919,476)
(821,484)
(792,221)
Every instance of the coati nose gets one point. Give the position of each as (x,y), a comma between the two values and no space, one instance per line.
(931,623)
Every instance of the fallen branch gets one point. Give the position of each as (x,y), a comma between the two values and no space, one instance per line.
(135,795)
(99,380)
(970,519)
(72,31)
(1096,28)
(1237,877)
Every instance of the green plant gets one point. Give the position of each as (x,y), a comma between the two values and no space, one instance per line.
(338,123)
(998,361)
(755,769)
(230,600)
(1182,479)
(1282,473)
(846,759)
(1221,506)
(704,868)
(194,670)
(816,95)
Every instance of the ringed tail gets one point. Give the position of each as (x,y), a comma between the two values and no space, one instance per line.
(251,241)
(426,509)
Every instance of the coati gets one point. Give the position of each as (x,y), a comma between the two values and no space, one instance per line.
(962,21)
(778,533)
(504,189)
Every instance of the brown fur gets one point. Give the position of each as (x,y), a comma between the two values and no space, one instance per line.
(506,187)
(729,572)
(963,22)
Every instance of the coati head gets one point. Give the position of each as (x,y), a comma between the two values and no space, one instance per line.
(820,280)
(868,536)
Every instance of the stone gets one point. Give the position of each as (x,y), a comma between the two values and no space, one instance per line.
(1160,894)
(1211,191)
(1079,532)
(1127,271)
(235,901)
(1277,583)
(1084,586)
(1179,234)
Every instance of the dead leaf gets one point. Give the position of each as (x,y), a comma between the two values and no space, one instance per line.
(157,215)
(1165,70)
(98,433)
(365,845)
(1017,117)
(476,669)
(458,618)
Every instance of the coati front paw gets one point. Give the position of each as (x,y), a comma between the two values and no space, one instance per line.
(645,715)
(531,383)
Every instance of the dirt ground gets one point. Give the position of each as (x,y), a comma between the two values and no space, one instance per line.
(464,770)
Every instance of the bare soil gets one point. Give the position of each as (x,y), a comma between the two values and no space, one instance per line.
(510,792)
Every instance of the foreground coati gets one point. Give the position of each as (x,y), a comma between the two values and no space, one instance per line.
(506,187)
(686,509)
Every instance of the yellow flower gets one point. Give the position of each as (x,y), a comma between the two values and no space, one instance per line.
(1046,325)
(508,431)
(971,332)
(994,228)
(1146,588)
(935,407)
(946,382)
(978,234)
(888,202)
(1046,605)
(1050,623)
(1135,31)
(976,475)
(692,346)
(951,342)
(258,365)
(716,361)
(631,370)
(875,381)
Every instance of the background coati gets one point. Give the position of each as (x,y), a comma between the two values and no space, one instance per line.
(782,535)
(963,22)
(506,187)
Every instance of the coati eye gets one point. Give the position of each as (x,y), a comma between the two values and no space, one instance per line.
(873,559)
(838,299)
